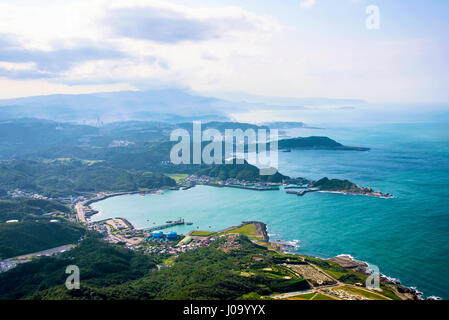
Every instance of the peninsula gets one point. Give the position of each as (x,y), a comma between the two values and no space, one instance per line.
(315,143)
(346,187)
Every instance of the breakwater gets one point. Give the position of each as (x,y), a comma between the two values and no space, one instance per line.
(165,226)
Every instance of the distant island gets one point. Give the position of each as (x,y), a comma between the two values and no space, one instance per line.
(315,143)
(288,125)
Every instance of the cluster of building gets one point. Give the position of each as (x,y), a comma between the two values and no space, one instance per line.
(186,244)
(98,227)
(230,182)
(17,193)
(75,200)
(194,179)
(231,242)
(7,265)
(118,231)
(344,294)
(120,143)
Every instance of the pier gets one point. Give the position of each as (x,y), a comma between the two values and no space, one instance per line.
(165,226)
(302,192)
(295,187)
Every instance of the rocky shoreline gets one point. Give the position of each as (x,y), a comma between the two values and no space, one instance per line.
(348,262)
(376,194)
(346,187)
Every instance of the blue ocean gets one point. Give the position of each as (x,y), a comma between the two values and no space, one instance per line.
(407,237)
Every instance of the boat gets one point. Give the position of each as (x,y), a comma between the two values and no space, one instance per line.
(189,223)
(168,221)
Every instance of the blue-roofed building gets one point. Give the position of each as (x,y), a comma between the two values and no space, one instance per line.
(172,235)
(158,235)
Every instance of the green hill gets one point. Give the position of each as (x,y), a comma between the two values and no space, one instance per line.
(65,177)
(28,209)
(244,171)
(27,237)
(320,143)
(110,272)
(335,185)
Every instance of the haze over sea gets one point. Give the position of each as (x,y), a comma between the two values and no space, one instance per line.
(406,237)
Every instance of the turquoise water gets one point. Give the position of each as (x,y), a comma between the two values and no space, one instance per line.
(406,237)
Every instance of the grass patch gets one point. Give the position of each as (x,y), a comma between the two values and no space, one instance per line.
(364,293)
(248,230)
(202,233)
(168,261)
(320,296)
(388,292)
(306,296)
(177,176)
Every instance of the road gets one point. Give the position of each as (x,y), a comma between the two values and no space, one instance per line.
(12,262)
(80,216)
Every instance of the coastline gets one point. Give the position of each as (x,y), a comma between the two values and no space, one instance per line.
(381,196)
(282,245)
(347,261)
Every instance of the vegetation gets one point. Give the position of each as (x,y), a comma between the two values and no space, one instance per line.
(338,272)
(29,209)
(100,264)
(60,160)
(111,272)
(320,296)
(364,293)
(178,176)
(335,185)
(202,233)
(27,237)
(248,230)
(246,271)
(69,177)
(243,171)
(315,143)
(306,296)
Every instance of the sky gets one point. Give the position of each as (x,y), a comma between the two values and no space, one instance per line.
(288,48)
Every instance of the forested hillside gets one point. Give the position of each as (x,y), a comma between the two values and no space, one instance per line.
(111,272)
(70,177)
(28,209)
(27,237)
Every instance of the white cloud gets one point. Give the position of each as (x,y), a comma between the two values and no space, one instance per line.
(137,40)
(80,45)
(307,3)
(13,66)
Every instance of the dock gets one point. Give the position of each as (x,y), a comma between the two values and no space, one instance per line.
(295,187)
(165,226)
(300,193)
(254,188)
